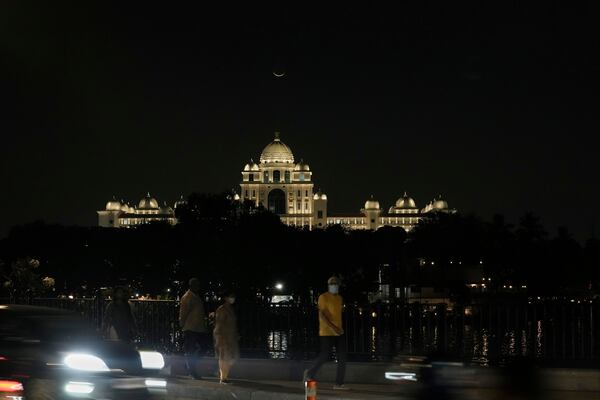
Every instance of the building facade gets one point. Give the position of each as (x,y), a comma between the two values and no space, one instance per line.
(283,186)
(286,188)
(120,214)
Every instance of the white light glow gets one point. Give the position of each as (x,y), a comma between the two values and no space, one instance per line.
(156,383)
(85,362)
(279,286)
(79,387)
(401,376)
(152,360)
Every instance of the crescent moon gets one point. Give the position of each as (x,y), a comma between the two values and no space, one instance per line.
(278,74)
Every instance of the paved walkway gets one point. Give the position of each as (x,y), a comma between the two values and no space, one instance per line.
(284,390)
(184,389)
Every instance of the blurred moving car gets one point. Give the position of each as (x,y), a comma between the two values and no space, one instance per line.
(50,354)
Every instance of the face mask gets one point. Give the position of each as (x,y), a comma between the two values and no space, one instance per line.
(334,289)
(231,300)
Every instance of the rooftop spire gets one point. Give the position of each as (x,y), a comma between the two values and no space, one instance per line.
(277,136)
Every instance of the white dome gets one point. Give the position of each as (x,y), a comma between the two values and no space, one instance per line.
(124,207)
(372,204)
(251,166)
(148,203)
(113,205)
(236,197)
(323,196)
(277,152)
(405,202)
(316,196)
(440,204)
(301,166)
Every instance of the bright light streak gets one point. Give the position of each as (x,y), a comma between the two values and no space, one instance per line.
(156,383)
(152,360)
(401,376)
(11,386)
(79,387)
(85,362)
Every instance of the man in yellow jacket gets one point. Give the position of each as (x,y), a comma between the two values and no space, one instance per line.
(192,319)
(331,333)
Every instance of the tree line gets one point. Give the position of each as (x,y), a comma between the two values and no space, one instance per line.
(229,245)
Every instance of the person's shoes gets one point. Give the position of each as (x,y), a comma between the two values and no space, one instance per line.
(224,382)
(340,387)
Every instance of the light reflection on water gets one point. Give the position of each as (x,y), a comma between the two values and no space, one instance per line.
(538,340)
(508,344)
(373,340)
(473,341)
(277,344)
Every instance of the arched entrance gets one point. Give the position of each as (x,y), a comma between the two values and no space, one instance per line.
(276,201)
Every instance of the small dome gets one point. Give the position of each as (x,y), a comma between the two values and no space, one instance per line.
(251,166)
(302,166)
(277,152)
(372,204)
(323,196)
(180,202)
(165,209)
(406,202)
(236,197)
(124,207)
(148,203)
(113,205)
(440,204)
(316,196)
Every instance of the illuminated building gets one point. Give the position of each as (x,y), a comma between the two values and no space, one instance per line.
(119,214)
(285,188)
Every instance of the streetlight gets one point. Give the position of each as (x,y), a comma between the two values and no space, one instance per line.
(279,286)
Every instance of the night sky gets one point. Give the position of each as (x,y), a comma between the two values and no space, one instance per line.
(494,108)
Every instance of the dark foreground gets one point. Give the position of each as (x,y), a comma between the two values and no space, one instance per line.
(280,379)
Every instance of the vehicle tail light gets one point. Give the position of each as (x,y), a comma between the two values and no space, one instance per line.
(10,386)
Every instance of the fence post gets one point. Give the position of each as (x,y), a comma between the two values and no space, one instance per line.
(97,309)
(592,331)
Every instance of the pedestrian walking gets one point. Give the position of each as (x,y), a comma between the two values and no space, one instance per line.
(118,323)
(226,337)
(192,319)
(331,333)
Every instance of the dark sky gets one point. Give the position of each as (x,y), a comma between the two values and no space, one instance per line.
(493,106)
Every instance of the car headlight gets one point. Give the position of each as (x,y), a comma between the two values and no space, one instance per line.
(85,362)
(152,360)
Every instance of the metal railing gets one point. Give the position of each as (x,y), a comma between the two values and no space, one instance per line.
(479,333)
